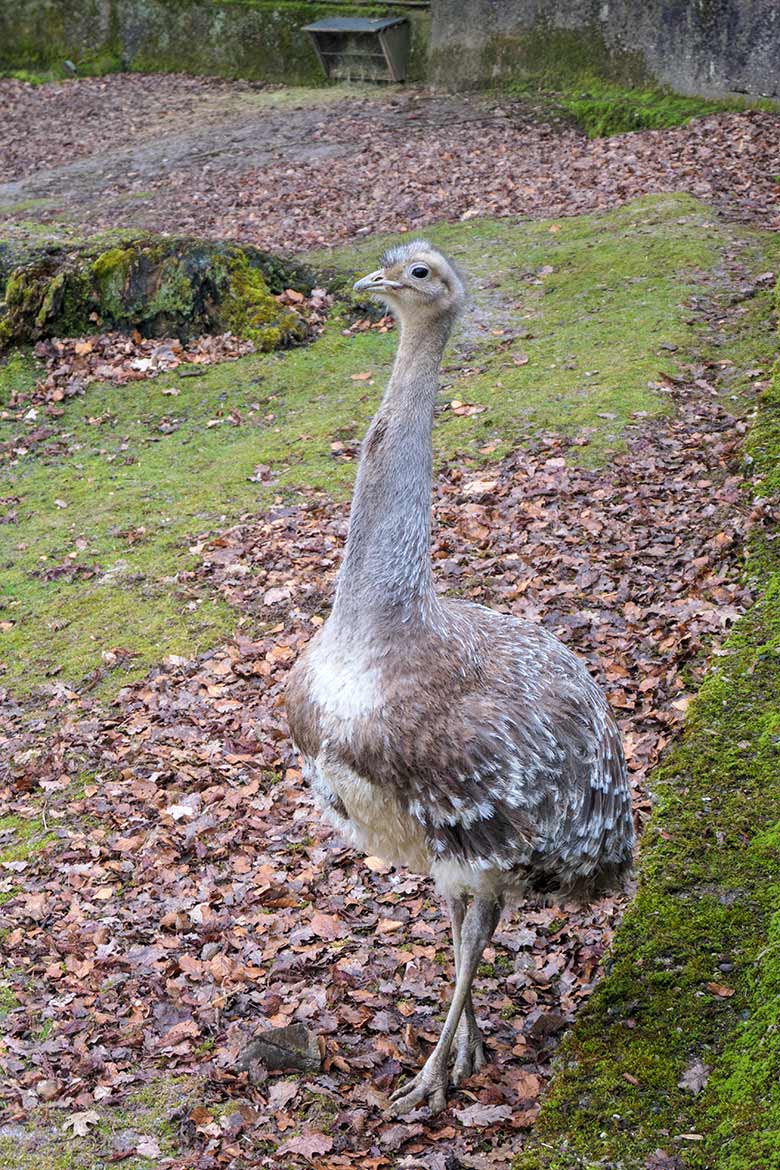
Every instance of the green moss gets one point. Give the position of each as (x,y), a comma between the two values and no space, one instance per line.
(50,298)
(557,57)
(110,273)
(249,310)
(695,971)
(8,1000)
(45,1030)
(17,373)
(602,109)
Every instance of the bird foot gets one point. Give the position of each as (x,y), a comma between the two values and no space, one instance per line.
(428,1087)
(469,1058)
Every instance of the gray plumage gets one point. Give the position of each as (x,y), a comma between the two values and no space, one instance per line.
(437,733)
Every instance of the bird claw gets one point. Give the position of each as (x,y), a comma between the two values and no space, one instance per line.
(428,1087)
(469,1060)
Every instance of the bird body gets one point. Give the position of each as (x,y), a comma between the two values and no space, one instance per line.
(475,748)
(438,734)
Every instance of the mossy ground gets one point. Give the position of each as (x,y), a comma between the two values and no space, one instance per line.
(138,471)
(695,971)
(151,1111)
(602,108)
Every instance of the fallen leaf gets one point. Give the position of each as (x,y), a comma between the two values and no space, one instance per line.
(721,990)
(695,1077)
(148,1147)
(481,1115)
(307,1145)
(79,1123)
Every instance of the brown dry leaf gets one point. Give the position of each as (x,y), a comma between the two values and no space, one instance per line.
(721,990)
(481,1115)
(307,1145)
(466,409)
(695,1077)
(377,865)
(328,926)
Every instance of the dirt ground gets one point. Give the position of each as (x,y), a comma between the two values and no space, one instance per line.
(295,169)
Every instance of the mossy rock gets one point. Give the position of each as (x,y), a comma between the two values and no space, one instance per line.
(161,286)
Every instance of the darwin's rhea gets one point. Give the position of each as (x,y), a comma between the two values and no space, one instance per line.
(436,733)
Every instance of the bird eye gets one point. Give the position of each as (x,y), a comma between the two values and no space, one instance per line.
(420,271)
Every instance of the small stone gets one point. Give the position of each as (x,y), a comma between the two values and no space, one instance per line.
(293,1047)
(542,1024)
(48,1090)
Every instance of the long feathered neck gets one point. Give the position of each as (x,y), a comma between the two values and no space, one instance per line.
(386,573)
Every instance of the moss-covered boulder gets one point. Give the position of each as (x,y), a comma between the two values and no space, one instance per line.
(161,286)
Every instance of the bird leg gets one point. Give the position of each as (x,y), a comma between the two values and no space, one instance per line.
(430,1084)
(469,1050)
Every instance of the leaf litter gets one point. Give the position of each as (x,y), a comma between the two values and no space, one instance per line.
(192,898)
(309,176)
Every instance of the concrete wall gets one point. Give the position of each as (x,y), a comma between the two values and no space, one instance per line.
(708,47)
(257,39)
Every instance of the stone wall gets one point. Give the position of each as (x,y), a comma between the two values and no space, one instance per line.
(257,39)
(707,47)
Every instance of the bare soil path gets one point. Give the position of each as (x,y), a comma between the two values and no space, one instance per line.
(295,169)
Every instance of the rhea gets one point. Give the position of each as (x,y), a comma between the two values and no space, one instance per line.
(436,733)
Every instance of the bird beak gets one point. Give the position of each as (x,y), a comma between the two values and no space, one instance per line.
(375,282)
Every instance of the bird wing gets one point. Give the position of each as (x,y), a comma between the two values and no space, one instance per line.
(517,766)
(538,786)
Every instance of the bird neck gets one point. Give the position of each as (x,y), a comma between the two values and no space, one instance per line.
(386,574)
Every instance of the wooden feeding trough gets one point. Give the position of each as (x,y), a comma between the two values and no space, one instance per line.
(360,49)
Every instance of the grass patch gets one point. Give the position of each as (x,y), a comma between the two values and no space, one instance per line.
(21,837)
(8,1000)
(106,509)
(602,105)
(600,108)
(588,300)
(695,971)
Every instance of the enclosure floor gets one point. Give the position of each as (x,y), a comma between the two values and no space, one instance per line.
(166,887)
(292,169)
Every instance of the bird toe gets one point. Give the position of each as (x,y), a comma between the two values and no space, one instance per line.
(470,1058)
(429,1088)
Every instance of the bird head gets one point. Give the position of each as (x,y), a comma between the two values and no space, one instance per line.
(416,281)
